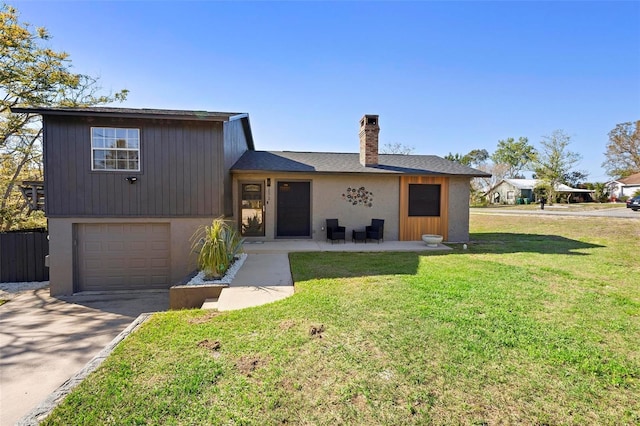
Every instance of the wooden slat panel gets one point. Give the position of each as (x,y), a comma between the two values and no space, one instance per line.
(182,172)
(412,228)
(22,256)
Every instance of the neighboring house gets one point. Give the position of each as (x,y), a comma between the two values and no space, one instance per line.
(126,188)
(624,186)
(509,191)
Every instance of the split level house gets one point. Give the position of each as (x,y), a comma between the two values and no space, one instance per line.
(125,189)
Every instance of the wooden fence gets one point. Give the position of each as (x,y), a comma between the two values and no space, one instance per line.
(22,256)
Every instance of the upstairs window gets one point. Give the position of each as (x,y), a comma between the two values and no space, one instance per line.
(115,149)
(424,200)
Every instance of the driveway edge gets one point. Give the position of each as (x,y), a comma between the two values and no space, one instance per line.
(39,413)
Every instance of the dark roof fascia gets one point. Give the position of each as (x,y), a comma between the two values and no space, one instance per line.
(391,174)
(246,126)
(129,113)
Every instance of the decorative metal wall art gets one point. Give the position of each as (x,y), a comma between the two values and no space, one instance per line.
(358,197)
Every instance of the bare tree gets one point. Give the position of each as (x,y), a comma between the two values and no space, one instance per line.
(623,150)
(396,148)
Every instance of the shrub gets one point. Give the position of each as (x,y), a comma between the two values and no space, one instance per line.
(216,246)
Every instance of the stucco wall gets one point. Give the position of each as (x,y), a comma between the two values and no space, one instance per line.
(61,262)
(459,209)
(327,201)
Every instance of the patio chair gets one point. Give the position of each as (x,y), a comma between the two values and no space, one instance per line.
(376,230)
(335,231)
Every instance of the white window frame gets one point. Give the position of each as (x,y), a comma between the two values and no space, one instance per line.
(109,141)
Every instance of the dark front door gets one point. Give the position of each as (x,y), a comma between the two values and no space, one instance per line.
(294,209)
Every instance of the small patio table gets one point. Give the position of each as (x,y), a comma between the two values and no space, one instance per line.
(360,235)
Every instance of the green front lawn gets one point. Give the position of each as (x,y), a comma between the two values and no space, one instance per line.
(538,322)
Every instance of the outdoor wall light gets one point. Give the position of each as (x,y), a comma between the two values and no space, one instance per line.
(268,182)
(131,179)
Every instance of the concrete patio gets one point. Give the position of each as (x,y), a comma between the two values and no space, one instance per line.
(288,246)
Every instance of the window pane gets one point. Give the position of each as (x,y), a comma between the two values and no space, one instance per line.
(424,200)
(98,160)
(109,143)
(117,148)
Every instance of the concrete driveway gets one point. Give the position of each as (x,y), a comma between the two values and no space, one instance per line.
(45,340)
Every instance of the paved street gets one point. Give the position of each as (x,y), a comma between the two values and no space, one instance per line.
(560,210)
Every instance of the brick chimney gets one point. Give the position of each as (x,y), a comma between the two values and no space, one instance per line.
(369,131)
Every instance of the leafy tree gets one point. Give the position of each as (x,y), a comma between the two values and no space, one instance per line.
(516,155)
(623,150)
(555,162)
(32,74)
(456,158)
(600,191)
(575,178)
(396,148)
(473,158)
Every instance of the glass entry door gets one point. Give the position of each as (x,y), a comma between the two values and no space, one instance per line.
(252,209)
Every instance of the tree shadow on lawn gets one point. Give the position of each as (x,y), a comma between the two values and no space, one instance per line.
(363,264)
(503,242)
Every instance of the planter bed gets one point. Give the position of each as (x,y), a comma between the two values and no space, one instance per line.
(191,292)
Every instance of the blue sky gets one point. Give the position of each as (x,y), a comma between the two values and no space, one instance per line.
(443,76)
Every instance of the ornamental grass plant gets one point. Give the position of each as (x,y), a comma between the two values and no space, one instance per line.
(216,247)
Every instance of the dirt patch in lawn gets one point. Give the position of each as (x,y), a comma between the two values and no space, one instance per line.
(204,318)
(248,364)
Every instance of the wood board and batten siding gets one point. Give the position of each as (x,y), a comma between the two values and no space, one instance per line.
(412,228)
(181,170)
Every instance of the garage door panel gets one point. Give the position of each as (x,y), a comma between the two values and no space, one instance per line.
(157,280)
(123,256)
(159,263)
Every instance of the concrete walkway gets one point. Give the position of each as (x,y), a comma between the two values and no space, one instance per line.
(263,278)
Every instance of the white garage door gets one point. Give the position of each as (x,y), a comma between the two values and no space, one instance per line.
(123,256)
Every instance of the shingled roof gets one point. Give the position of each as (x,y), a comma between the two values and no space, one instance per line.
(631,180)
(329,162)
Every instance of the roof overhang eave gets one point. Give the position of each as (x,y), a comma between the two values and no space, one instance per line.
(196,116)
